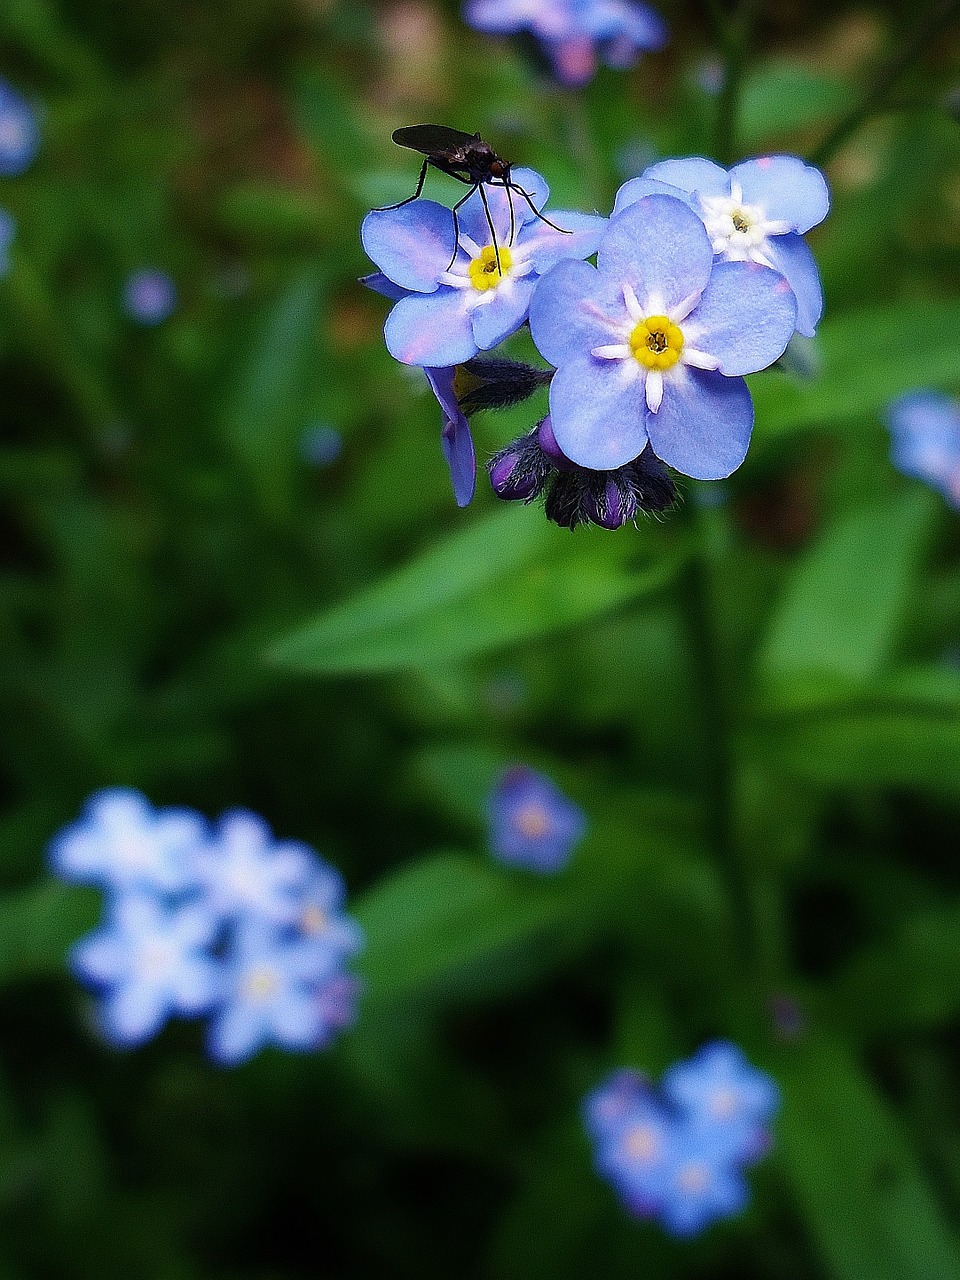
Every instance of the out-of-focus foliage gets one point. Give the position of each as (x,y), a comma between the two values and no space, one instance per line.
(192,605)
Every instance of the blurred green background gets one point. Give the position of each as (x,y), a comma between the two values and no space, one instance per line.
(757,700)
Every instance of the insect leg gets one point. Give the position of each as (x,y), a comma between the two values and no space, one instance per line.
(456,225)
(526,196)
(493,232)
(513,220)
(423,177)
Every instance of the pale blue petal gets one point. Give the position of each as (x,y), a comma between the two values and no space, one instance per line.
(702,176)
(786,189)
(295,1019)
(197,984)
(703,426)
(597,418)
(568,312)
(745,318)
(535,186)
(134,1013)
(496,320)
(236,1034)
(456,439)
(99,957)
(544,247)
(413,245)
(379,283)
(430,330)
(792,257)
(637,188)
(473,219)
(497,16)
(658,245)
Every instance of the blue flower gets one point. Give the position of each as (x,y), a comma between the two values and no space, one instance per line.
(246,874)
(456,439)
(149,296)
(320,916)
(532,823)
(756,212)
(460,303)
(152,961)
(321,444)
(925,440)
(19,132)
(574,32)
(651,345)
(273,994)
(678,1153)
(8,229)
(121,843)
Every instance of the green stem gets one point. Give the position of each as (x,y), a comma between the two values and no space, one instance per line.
(735,35)
(885,78)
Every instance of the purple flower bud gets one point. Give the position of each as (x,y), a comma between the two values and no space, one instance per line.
(610,506)
(510,480)
(548,443)
(149,296)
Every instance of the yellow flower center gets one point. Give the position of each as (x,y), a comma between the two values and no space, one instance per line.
(741,221)
(641,1144)
(313,920)
(656,342)
(261,984)
(532,821)
(484,272)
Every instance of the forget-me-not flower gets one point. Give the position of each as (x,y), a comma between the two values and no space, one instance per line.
(247,874)
(756,212)
(925,439)
(574,33)
(466,296)
(651,344)
(19,132)
(151,961)
(677,1153)
(121,843)
(8,229)
(149,296)
(532,823)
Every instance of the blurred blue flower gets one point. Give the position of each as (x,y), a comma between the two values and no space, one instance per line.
(678,1153)
(151,961)
(756,212)
(460,303)
(8,229)
(321,444)
(121,843)
(651,344)
(925,439)
(574,33)
(19,132)
(247,874)
(532,823)
(273,988)
(149,296)
(321,916)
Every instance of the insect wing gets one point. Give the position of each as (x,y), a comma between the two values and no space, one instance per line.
(433,139)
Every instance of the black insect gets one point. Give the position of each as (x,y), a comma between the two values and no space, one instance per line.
(466,157)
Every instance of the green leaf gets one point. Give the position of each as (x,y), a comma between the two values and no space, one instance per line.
(856,1179)
(38,926)
(841,611)
(506,578)
(781,97)
(863,366)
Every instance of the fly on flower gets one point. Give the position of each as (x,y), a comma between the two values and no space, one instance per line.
(466,157)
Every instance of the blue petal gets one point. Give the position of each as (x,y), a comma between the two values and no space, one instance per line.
(568,309)
(456,439)
(597,418)
(745,318)
(703,426)
(430,330)
(786,189)
(535,186)
(235,1034)
(493,321)
(473,218)
(702,176)
(544,247)
(379,283)
(413,245)
(637,188)
(133,1013)
(791,256)
(660,246)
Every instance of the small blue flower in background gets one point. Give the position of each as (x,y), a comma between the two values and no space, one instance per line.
(458,304)
(225,921)
(19,132)
(149,297)
(925,440)
(321,444)
(574,33)
(8,230)
(756,212)
(151,961)
(677,1154)
(651,344)
(532,823)
(121,843)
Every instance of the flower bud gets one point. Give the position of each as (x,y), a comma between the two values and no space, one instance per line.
(510,479)
(609,505)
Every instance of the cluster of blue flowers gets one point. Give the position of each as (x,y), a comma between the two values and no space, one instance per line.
(221,920)
(19,144)
(925,440)
(575,34)
(702,276)
(532,823)
(678,1153)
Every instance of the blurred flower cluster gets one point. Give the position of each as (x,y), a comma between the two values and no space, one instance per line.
(575,34)
(532,823)
(925,440)
(221,920)
(702,277)
(19,144)
(677,1153)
